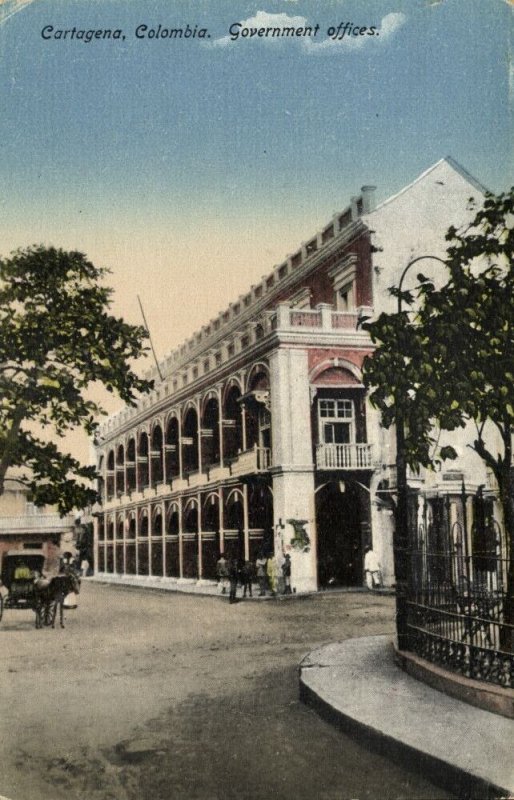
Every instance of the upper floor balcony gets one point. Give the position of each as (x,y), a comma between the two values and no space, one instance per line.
(345,456)
(321,319)
(250,462)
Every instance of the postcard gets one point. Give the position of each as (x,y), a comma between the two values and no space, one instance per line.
(204,206)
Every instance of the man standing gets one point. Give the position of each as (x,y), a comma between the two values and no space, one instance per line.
(286,573)
(372,569)
(222,572)
(233,574)
(260,566)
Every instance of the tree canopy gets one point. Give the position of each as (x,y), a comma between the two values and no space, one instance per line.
(58,339)
(448,357)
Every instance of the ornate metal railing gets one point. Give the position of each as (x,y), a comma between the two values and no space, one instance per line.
(456,597)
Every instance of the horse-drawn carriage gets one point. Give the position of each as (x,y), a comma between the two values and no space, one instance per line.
(24,586)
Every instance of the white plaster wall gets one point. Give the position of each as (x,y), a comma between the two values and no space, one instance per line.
(293,475)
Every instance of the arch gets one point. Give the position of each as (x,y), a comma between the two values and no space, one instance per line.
(174,413)
(191,518)
(233,381)
(156,454)
(211,394)
(131,464)
(258,377)
(211,513)
(110,475)
(232,422)
(190,440)
(348,370)
(171,447)
(130,525)
(235,495)
(190,503)
(188,406)
(233,511)
(210,433)
(142,460)
(120,470)
(173,519)
(342,526)
(144,524)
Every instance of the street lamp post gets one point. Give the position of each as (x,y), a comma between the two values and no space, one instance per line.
(401,537)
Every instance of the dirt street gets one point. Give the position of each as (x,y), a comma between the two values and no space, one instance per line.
(154,696)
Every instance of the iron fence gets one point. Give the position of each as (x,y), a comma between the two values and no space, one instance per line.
(457,588)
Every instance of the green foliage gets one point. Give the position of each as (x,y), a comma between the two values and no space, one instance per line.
(57,339)
(449,357)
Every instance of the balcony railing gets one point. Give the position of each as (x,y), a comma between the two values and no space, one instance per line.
(257,459)
(344,456)
(35,522)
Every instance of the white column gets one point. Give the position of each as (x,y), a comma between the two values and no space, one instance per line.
(293,470)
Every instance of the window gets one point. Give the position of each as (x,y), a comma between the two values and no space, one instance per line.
(336,421)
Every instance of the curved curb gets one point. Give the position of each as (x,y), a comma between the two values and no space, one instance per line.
(459,781)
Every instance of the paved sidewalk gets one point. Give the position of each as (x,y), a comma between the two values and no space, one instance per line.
(211,588)
(357,685)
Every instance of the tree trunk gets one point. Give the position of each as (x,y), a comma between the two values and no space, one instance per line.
(10,444)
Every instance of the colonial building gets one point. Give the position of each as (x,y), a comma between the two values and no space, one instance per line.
(258,436)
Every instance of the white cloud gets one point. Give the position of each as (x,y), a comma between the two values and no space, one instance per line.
(388,27)
(262,19)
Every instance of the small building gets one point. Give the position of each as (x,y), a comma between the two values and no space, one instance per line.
(24,526)
(259,437)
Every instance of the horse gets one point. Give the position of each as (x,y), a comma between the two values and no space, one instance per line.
(49,596)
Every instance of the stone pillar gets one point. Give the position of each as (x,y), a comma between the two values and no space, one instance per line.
(293,470)
(246,527)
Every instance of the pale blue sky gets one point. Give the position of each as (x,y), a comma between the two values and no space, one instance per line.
(190,169)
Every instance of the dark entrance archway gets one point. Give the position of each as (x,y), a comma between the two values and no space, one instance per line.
(342,521)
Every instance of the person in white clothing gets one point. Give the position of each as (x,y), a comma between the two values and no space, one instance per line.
(372,569)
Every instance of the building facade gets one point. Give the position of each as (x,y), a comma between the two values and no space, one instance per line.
(259,437)
(24,526)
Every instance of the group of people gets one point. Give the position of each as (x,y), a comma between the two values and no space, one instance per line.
(271,577)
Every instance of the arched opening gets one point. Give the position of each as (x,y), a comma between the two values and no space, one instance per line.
(234,526)
(210,434)
(142,548)
(190,442)
(130,547)
(142,461)
(342,524)
(171,449)
(210,536)
(260,519)
(232,424)
(110,475)
(190,541)
(157,544)
(257,413)
(119,560)
(131,465)
(156,455)
(120,471)
(172,546)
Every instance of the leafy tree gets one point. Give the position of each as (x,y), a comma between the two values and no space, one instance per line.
(448,358)
(57,339)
